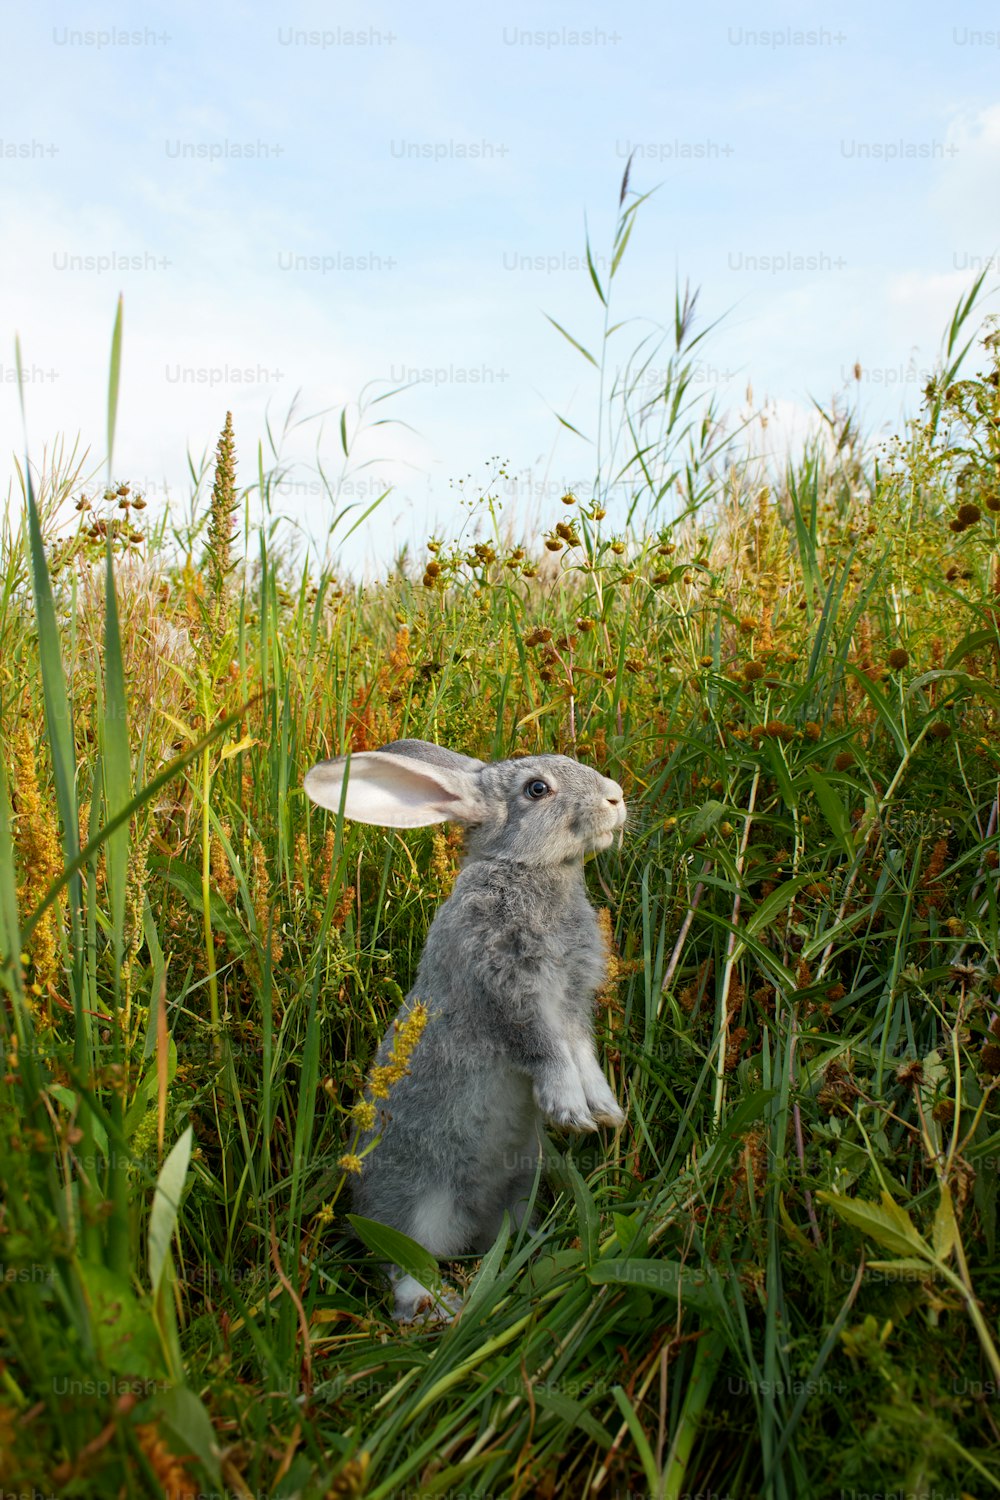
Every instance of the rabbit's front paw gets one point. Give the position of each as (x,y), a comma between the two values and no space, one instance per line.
(565,1107)
(413,1303)
(602,1103)
(607,1113)
(571,1117)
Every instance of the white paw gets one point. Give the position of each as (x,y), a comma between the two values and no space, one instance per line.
(608,1113)
(429,1309)
(413,1303)
(601,1102)
(573,1112)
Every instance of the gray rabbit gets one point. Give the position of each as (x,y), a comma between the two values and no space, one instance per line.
(509,972)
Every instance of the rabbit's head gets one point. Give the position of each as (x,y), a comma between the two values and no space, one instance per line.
(539,810)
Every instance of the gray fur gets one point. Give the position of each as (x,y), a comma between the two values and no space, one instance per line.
(508,974)
(435,755)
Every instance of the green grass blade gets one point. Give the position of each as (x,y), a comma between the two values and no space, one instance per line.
(571,340)
(114,378)
(116,761)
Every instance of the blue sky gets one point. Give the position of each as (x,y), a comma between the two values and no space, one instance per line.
(414,198)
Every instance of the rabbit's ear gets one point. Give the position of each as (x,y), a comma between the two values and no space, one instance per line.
(434,755)
(396,791)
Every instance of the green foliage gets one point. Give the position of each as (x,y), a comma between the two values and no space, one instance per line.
(780,1278)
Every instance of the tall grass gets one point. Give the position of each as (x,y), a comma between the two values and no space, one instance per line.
(781,1277)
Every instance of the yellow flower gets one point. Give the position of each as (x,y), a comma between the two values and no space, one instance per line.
(364,1114)
(406,1034)
(350,1163)
(378,1083)
(37,840)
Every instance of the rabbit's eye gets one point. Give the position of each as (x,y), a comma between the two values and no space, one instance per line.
(537,789)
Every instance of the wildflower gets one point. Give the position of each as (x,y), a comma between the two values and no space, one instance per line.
(406,1035)
(911,1072)
(811,730)
(753,671)
(350,1163)
(936,863)
(172,1477)
(222,874)
(221,522)
(898,659)
(944,1111)
(378,1083)
(843,760)
(837,1090)
(344,906)
(364,1114)
(37,839)
(969,514)
(350,1481)
(263,903)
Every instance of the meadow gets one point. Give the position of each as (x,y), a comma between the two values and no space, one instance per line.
(780,1277)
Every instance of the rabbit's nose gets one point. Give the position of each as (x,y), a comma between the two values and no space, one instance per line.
(615,794)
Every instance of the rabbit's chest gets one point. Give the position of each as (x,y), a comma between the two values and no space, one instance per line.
(577,970)
(587,965)
(585,957)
